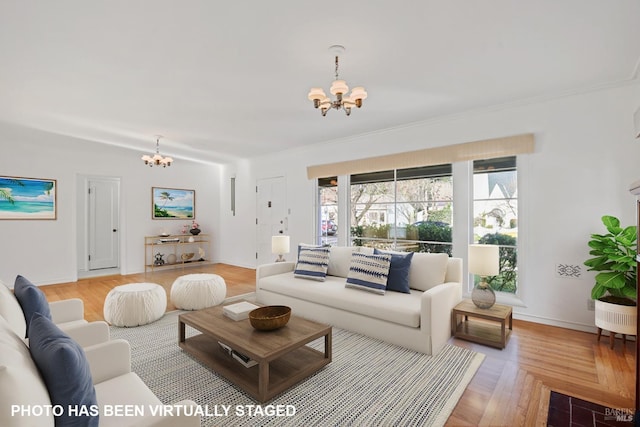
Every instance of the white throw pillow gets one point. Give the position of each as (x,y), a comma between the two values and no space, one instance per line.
(340,260)
(312,263)
(427,270)
(369,272)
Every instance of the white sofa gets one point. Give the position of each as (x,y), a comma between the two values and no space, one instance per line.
(23,389)
(419,320)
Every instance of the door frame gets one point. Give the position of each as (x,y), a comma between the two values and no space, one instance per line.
(82,226)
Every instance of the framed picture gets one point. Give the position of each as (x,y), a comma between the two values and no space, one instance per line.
(173,203)
(27,198)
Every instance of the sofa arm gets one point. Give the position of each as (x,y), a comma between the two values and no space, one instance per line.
(274,268)
(109,359)
(66,310)
(435,312)
(89,334)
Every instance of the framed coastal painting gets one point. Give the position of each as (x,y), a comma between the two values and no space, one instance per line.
(173,203)
(27,198)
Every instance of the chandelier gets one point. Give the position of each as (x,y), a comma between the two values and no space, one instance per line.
(157,159)
(339,89)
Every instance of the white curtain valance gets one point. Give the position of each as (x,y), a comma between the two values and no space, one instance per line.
(475,150)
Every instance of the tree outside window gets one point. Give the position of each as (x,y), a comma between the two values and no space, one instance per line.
(406,209)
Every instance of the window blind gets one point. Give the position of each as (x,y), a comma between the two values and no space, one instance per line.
(475,150)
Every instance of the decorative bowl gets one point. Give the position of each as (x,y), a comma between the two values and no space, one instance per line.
(270,317)
(187,256)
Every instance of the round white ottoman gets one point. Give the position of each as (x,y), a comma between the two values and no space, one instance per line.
(197,291)
(135,304)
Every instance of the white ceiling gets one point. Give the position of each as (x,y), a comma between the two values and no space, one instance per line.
(226,80)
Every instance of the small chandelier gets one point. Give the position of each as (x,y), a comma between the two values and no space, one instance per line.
(157,159)
(339,88)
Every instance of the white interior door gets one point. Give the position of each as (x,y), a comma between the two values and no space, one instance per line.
(102,223)
(271,216)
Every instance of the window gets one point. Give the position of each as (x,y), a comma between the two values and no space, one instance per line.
(403,209)
(495,215)
(327,232)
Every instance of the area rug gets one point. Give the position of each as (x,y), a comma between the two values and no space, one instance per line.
(368,382)
(567,410)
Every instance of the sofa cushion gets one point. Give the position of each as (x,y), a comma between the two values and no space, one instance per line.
(65,370)
(398,279)
(340,260)
(20,382)
(427,270)
(12,312)
(313,263)
(395,307)
(32,300)
(369,272)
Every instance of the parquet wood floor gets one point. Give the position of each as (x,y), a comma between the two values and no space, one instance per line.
(512,386)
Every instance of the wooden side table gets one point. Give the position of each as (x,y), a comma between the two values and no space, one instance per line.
(482,332)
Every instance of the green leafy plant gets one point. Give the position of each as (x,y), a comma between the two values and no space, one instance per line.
(614,258)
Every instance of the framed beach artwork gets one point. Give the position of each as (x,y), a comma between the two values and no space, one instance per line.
(27,198)
(173,203)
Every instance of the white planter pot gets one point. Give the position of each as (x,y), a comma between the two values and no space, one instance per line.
(616,318)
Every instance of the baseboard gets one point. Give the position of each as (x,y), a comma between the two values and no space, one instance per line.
(556,322)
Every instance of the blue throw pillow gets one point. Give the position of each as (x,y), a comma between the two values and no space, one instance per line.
(398,271)
(31,299)
(66,373)
(369,272)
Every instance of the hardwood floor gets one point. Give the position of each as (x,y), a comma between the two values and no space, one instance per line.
(512,386)
(94,290)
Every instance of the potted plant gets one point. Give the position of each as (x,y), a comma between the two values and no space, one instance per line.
(614,258)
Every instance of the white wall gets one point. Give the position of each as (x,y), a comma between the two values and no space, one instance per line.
(45,251)
(585,160)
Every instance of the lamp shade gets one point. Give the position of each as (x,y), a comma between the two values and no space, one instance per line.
(316,93)
(484,260)
(339,86)
(280,245)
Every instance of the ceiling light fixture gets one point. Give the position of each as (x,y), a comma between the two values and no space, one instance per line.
(339,88)
(157,159)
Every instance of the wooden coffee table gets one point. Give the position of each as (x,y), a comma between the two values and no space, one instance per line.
(282,356)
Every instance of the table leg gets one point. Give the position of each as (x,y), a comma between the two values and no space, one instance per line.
(327,346)
(181,332)
(454,320)
(503,334)
(599,333)
(263,381)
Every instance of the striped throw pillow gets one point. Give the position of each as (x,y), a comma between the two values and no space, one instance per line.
(369,272)
(312,263)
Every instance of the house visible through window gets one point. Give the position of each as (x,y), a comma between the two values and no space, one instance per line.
(495,215)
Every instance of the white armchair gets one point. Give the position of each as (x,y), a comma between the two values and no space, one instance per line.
(115,384)
(22,387)
(68,315)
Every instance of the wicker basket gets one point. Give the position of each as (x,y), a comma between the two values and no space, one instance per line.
(270,317)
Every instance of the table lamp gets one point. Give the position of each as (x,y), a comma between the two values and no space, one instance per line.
(484,261)
(280,246)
